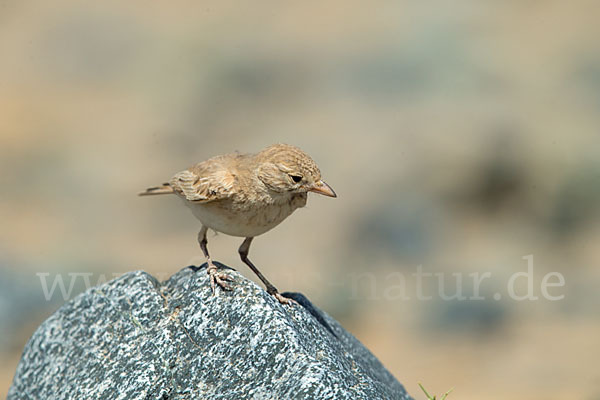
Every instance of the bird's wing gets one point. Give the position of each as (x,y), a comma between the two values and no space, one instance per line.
(204,182)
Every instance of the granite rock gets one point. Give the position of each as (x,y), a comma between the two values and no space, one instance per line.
(137,338)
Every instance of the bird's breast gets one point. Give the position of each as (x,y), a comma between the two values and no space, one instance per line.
(244,218)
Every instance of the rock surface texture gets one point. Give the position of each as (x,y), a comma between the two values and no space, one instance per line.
(137,338)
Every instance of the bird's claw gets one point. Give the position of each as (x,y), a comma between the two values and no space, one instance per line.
(218,278)
(284,300)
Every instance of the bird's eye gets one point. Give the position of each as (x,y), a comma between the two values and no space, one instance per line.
(296,178)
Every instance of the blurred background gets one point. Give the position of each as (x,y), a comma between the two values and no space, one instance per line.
(460,137)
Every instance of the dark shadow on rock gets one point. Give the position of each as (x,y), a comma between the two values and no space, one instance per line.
(308,306)
(197,268)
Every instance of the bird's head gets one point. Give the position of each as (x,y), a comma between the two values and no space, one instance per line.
(287,169)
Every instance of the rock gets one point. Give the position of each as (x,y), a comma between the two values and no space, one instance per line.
(135,338)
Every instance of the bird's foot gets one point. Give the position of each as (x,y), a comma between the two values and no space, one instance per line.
(284,300)
(218,278)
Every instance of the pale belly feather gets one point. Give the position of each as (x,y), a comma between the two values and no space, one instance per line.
(241,221)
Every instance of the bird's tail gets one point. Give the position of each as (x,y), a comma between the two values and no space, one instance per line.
(165,188)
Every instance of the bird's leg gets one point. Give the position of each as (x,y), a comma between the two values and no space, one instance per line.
(272,290)
(216,278)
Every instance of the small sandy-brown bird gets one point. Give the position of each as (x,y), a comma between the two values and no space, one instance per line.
(246,195)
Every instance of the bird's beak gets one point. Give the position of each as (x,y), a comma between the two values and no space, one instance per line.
(323,188)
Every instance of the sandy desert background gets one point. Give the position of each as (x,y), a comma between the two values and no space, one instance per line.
(460,137)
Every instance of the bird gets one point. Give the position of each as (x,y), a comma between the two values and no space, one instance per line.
(245,195)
